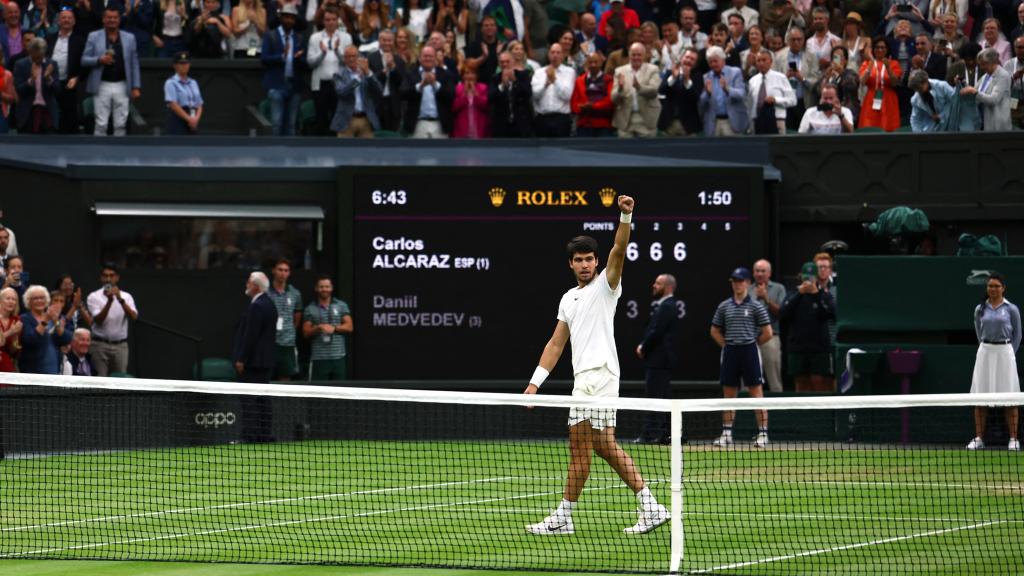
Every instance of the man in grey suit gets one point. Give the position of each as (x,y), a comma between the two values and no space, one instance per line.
(992,93)
(723,101)
(113,63)
(359,93)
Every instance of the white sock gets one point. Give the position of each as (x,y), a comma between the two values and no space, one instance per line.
(566,507)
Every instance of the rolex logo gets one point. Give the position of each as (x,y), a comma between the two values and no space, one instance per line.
(497,196)
(607,196)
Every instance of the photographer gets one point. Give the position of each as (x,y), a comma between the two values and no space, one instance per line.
(15,275)
(111,308)
(808,311)
(824,118)
(912,11)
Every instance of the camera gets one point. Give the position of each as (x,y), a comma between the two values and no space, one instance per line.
(824,107)
(903,8)
(107,287)
(792,65)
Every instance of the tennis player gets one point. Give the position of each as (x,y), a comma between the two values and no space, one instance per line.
(585,317)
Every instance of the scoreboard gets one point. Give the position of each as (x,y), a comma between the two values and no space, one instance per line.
(457,272)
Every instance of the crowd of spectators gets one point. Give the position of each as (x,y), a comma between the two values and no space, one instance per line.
(519,68)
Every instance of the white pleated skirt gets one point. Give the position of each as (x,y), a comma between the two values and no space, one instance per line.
(995,370)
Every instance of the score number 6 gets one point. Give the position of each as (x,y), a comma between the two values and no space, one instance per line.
(678,251)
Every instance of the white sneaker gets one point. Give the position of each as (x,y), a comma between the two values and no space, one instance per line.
(649,520)
(761,440)
(723,441)
(556,523)
(976,444)
(1014,445)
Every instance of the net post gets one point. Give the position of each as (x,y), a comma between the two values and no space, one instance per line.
(676,465)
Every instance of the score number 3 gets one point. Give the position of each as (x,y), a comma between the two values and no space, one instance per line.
(656,251)
(633,309)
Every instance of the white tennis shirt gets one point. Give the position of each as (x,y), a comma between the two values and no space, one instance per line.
(590,313)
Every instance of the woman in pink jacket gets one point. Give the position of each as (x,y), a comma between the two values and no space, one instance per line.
(470,107)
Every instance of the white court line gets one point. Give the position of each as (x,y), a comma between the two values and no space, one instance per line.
(290,523)
(705,481)
(256,503)
(847,547)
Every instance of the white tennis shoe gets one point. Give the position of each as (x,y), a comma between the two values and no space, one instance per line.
(649,520)
(1014,445)
(723,441)
(976,444)
(761,440)
(556,523)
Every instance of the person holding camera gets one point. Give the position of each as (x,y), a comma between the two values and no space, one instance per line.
(807,312)
(997,326)
(114,78)
(111,308)
(828,117)
(802,70)
(15,276)
(912,11)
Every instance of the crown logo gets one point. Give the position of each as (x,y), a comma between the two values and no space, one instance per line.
(497,196)
(607,196)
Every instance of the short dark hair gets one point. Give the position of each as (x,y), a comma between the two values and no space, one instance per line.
(320,277)
(283,261)
(15,257)
(581,245)
(110,266)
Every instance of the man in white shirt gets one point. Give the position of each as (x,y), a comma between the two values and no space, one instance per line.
(689,34)
(823,119)
(749,15)
(65,48)
(771,88)
(324,55)
(822,42)
(111,308)
(586,315)
(635,94)
(552,93)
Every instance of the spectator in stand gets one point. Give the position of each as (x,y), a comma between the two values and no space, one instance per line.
(618,9)
(552,93)
(288,301)
(428,93)
(682,88)
(42,333)
(447,16)
(325,323)
(1018,30)
(183,99)
(36,80)
(749,15)
(843,79)
(949,39)
(880,107)
(723,102)
(484,54)
(1015,68)
(720,38)
(992,37)
(592,100)
(538,24)
(138,20)
(926,59)
(324,56)
(931,103)
(938,9)
(620,56)
(389,68)
(519,59)
(114,77)
(803,72)
(8,95)
(574,57)
(856,43)
(171,24)
(821,43)
(78,356)
(807,312)
(15,275)
(963,74)
(769,95)
(835,17)
(510,96)
(737,42)
(405,46)
(359,93)
(993,94)
(39,19)
(415,18)
(373,18)
(248,25)
(901,44)
(75,312)
(781,16)
(748,58)
(912,11)
(27,36)
(211,30)
(771,295)
(470,106)
(671,47)
(10,330)
(65,47)
(111,308)
(8,248)
(282,55)
(635,96)
(588,38)
(828,117)
(10,33)
(689,32)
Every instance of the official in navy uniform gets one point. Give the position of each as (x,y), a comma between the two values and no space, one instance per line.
(657,350)
(184,102)
(254,354)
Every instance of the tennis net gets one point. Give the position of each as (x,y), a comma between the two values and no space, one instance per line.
(135,469)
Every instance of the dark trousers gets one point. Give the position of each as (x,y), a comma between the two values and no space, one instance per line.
(256,410)
(794,115)
(325,102)
(67,101)
(390,114)
(553,125)
(659,385)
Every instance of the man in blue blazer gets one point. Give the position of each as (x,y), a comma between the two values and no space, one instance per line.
(112,60)
(723,101)
(359,93)
(658,352)
(253,355)
(283,57)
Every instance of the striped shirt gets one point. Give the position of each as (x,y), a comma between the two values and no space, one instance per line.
(741,322)
(288,303)
(327,346)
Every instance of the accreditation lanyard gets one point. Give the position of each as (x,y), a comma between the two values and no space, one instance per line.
(1016,93)
(880,72)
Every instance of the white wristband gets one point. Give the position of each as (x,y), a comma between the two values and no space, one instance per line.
(539,376)
(625,218)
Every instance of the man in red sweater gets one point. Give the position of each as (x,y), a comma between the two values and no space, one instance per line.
(628,15)
(592,100)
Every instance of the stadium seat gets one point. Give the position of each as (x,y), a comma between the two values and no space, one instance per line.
(386,134)
(120,375)
(307,118)
(869,129)
(216,370)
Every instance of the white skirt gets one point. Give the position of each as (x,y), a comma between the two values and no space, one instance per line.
(995,370)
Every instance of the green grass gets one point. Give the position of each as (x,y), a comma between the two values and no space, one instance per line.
(807,509)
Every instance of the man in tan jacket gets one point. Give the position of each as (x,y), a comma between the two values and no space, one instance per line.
(635,95)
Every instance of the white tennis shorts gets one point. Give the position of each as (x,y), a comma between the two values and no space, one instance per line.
(995,370)
(595,382)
